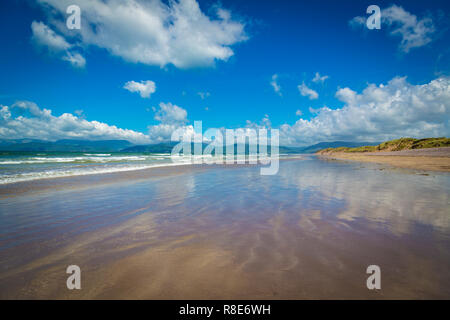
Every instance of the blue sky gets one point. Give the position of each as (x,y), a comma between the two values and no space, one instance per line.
(220,69)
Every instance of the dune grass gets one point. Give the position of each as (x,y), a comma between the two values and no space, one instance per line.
(395,145)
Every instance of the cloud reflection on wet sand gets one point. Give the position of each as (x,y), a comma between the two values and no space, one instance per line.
(228,232)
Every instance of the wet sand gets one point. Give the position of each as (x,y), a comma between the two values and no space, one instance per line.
(434,159)
(226,232)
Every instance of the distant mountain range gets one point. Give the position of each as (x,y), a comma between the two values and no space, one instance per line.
(167,148)
(67,145)
(64,145)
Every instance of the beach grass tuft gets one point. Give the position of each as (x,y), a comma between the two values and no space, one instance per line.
(394,145)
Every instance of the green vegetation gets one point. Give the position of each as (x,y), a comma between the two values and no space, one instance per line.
(395,145)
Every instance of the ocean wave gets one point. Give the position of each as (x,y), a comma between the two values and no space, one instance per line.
(29,176)
(81,159)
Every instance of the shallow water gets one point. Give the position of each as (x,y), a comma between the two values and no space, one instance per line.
(16,166)
(227,232)
(30,166)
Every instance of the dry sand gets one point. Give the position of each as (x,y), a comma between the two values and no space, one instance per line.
(433,159)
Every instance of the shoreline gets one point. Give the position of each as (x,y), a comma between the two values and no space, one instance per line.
(430,159)
(89,180)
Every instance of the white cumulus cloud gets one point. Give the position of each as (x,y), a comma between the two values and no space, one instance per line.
(75,59)
(44,36)
(152,32)
(413,32)
(144,88)
(274,83)
(307,92)
(170,113)
(318,78)
(171,118)
(380,112)
(25,119)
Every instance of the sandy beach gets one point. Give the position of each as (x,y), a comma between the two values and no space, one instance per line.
(434,159)
(226,232)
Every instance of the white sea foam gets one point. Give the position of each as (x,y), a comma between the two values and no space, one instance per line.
(81,159)
(58,173)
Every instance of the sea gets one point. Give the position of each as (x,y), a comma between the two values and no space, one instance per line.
(18,167)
